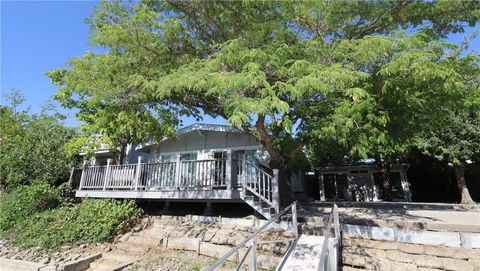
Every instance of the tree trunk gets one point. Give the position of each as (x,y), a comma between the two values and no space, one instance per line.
(461,184)
(122,153)
(386,166)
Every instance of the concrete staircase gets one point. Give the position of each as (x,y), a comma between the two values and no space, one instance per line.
(128,250)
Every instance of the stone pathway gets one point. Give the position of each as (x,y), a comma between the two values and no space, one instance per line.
(209,239)
(415,216)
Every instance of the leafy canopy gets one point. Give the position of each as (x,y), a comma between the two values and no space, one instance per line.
(289,73)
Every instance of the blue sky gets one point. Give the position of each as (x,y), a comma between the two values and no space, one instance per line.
(37,36)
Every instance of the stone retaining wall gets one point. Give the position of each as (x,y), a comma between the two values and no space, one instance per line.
(390,255)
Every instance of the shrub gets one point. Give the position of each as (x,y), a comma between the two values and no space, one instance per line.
(24,201)
(93,220)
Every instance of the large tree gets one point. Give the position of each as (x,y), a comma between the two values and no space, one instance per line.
(285,72)
(457,144)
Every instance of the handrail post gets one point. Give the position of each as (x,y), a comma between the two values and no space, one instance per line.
(229,170)
(139,172)
(294,219)
(82,178)
(177,170)
(107,173)
(336,222)
(253,259)
(244,177)
(276,190)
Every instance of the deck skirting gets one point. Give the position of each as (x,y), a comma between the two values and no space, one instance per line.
(197,195)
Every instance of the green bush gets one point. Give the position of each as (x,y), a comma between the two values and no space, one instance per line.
(93,220)
(23,202)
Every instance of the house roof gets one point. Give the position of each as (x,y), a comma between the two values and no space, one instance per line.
(192,128)
(206,127)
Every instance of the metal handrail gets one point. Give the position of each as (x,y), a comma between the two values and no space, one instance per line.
(253,236)
(326,241)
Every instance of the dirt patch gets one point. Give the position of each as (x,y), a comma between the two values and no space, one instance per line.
(176,260)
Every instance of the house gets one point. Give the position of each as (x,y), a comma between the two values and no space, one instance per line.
(218,163)
(103,152)
(203,163)
(362,182)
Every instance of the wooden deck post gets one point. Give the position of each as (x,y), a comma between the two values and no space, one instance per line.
(178,168)
(82,178)
(107,173)
(276,190)
(244,177)
(139,172)
(229,170)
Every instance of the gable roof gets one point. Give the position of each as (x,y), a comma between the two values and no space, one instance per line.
(192,128)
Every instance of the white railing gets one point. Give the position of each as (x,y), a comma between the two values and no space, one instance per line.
(120,177)
(330,251)
(190,174)
(158,176)
(203,173)
(260,183)
(93,177)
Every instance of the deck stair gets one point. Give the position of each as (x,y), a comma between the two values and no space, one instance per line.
(259,189)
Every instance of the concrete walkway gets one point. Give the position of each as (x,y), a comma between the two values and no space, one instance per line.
(305,255)
(419,216)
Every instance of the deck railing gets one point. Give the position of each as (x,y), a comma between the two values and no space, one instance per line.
(179,174)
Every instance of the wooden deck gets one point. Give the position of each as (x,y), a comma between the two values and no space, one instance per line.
(222,179)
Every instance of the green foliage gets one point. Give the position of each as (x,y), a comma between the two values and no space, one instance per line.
(288,73)
(32,148)
(25,201)
(90,221)
(456,143)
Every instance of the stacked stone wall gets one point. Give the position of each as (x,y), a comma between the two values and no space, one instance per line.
(366,254)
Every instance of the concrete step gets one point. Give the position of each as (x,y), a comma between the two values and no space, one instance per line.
(118,256)
(134,248)
(109,265)
(149,240)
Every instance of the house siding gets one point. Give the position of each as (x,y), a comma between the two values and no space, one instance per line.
(205,143)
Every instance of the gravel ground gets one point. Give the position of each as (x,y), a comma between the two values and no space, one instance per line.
(176,260)
(62,255)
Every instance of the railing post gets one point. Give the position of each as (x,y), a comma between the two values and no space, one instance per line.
(229,169)
(294,219)
(107,173)
(139,172)
(244,177)
(336,222)
(276,190)
(82,178)
(178,168)
(253,259)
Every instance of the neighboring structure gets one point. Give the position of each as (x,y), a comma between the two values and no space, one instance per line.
(103,152)
(362,183)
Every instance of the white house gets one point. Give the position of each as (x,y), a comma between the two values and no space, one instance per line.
(204,162)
